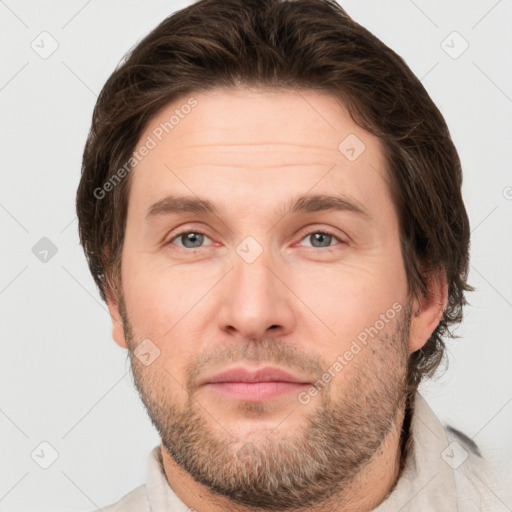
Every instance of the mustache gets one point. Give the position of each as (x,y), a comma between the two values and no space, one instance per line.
(267,350)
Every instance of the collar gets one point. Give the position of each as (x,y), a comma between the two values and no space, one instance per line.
(427,481)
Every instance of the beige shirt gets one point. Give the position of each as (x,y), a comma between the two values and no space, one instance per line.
(444,473)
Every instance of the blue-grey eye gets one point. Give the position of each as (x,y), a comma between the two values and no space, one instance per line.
(320,239)
(191,239)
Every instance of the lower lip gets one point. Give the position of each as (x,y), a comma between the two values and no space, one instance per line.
(255,391)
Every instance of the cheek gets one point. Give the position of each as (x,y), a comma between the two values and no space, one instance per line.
(161,311)
(161,299)
(351,297)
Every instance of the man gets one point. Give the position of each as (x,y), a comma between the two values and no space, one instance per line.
(271,207)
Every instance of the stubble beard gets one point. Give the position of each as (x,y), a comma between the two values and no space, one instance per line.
(352,418)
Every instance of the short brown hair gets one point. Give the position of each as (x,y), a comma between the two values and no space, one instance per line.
(297,44)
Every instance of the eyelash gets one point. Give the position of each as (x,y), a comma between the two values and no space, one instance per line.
(309,233)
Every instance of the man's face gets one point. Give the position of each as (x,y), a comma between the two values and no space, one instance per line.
(254,285)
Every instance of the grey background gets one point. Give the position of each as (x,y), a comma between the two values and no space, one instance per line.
(64,381)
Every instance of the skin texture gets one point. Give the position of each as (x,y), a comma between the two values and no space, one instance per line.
(298,306)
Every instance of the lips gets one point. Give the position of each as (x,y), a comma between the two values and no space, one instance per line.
(255,386)
(267,374)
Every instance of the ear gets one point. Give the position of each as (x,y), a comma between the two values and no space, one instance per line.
(115,315)
(428,310)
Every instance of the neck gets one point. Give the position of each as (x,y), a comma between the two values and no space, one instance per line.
(370,487)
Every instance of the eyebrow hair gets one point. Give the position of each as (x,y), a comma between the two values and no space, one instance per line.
(181,204)
(322,202)
(302,204)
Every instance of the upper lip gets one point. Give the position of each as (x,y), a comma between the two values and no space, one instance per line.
(266,374)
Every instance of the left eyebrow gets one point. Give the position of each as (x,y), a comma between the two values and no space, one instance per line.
(323,202)
(301,204)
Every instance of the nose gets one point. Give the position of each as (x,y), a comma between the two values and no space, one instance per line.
(256,301)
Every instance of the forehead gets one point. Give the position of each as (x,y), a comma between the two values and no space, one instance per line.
(257,145)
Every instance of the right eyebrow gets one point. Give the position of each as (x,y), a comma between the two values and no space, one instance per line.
(181,204)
